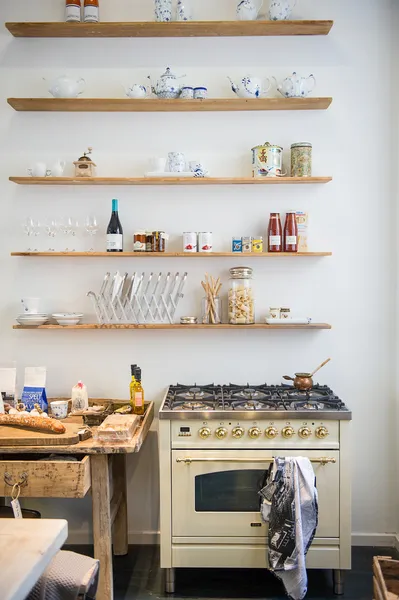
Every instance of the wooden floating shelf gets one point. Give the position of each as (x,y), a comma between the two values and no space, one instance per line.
(172,29)
(176,326)
(245,255)
(158,105)
(167,180)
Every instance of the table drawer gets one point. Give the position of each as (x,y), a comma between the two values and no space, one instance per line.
(46,479)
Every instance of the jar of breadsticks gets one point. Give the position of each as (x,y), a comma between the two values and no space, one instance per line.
(241,297)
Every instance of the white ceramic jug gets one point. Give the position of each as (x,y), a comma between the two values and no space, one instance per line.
(57,169)
(248,10)
(279,10)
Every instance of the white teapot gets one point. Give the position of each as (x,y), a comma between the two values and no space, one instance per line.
(295,86)
(250,87)
(137,91)
(167,85)
(65,87)
(248,10)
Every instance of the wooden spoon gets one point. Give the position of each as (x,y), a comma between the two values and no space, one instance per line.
(319,367)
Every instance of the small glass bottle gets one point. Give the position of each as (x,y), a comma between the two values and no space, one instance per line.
(138,394)
(241,297)
(149,241)
(91,11)
(275,233)
(290,232)
(132,385)
(73,11)
(212,310)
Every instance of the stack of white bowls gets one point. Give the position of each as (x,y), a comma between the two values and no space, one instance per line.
(32,319)
(66,319)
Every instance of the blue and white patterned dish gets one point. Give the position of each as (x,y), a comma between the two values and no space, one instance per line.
(163,10)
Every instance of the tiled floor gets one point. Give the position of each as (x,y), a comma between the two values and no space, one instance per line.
(137,576)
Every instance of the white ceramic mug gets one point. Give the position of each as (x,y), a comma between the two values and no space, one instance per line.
(158,165)
(30,305)
(280,10)
(57,169)
(176,162)
(39,170)
(59,409)
(187,93)
(200,93)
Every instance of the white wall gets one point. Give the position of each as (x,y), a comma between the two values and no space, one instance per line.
(354,290)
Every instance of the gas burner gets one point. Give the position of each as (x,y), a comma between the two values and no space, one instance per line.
(250,394)
(193,406)
(252,405)
(308,405)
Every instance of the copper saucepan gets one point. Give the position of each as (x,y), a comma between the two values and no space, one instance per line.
(304,381)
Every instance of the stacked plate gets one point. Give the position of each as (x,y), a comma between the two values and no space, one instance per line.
(67,318)
(33,319)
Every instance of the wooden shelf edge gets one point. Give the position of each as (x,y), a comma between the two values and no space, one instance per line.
(160,105)
(170,254)
(79,181)
(173,326)
(172,29)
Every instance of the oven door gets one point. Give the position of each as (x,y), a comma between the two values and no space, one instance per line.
(215,498)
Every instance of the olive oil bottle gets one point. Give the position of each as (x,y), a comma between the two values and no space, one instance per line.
(132,384)
(138,393)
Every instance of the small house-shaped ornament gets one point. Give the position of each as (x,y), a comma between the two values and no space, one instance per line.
(85,167)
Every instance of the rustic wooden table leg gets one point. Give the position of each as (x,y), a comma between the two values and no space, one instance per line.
(120,527)
(102,524)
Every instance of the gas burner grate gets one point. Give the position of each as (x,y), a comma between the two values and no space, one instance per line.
(193,397)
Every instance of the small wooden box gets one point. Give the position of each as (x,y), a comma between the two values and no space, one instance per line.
(385,578)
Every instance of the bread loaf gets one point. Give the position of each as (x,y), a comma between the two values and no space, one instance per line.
(28,422)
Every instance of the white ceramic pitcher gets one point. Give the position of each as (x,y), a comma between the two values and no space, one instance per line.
(248,10)
(280,10)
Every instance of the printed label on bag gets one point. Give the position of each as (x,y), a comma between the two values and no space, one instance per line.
(290,240)
(114,241)
(16,509)
(275,240)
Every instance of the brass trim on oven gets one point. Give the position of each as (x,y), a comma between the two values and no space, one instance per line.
(323,460)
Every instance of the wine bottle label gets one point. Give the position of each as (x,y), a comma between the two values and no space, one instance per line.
(114,241)
(291,240)
(91,14)
(138,399)
(72,13)
(274,240)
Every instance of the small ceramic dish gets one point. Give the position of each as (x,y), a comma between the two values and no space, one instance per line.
(66,319)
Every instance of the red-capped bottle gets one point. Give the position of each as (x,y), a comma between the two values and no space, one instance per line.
(72,11)
(290,232)
(91,11)
(275,234)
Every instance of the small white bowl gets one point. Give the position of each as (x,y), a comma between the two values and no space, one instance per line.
(67,316)
(67,322)
(33,322)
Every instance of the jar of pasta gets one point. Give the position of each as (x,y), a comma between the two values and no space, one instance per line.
(241,297)
(301,159)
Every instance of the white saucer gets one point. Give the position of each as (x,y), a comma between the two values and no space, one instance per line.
(34,322)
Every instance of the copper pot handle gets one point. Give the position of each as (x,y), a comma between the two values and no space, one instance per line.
(288,378)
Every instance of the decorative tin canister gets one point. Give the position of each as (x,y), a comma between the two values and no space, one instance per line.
(267,160)
(301,159)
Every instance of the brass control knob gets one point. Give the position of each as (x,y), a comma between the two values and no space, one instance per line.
(238,432)
(221,433)
(254,432)
(322,432)
(271,432)
(204,433)
(305,432)
(288,432)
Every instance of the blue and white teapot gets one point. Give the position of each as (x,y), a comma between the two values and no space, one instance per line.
(167,85)
(250,87)
(296,86)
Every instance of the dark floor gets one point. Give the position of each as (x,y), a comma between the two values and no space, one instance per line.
(137,576)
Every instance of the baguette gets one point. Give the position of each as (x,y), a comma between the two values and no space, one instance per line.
(38,423)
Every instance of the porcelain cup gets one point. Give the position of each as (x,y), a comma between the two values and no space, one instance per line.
(39,169)
(59,409)
(30,305)
(176,162)
(198,169)
(163,10)
(158,165)
(200,93)
(280,10)
(187,93)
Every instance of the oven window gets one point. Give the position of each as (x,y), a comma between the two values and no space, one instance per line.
(228,491)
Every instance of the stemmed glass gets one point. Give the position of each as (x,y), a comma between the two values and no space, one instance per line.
(66,228)
(28,227)
(51,229)
(91,226)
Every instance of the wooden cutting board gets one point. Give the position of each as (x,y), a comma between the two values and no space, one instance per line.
(16,436)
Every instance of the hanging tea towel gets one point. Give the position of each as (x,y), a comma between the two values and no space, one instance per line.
(289,504)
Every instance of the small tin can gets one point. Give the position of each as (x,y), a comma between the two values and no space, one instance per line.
(236,244)
(301,159)
(190,241)
(247,244)
(257,244)
(267,160)
(205,241)
(285,313)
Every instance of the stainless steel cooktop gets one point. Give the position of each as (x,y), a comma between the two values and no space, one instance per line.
(242,401)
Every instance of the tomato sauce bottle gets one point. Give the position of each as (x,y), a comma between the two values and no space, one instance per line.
(290,232)
(275,241)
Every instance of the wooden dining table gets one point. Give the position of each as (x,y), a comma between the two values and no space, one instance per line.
(100,468)
(27,547)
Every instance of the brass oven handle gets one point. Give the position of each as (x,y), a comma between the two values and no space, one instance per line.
(23,480)
(323,460)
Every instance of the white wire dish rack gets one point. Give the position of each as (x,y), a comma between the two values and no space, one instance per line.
(139,298)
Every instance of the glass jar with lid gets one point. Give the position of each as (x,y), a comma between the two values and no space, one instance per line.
(241,296)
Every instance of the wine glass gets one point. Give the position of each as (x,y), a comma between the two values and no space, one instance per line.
(51,229)
(66,228)
(36,230)
(91,226)
(74,228)
(28,227)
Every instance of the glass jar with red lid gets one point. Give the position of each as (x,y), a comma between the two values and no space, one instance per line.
(290,232)
(275,234)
